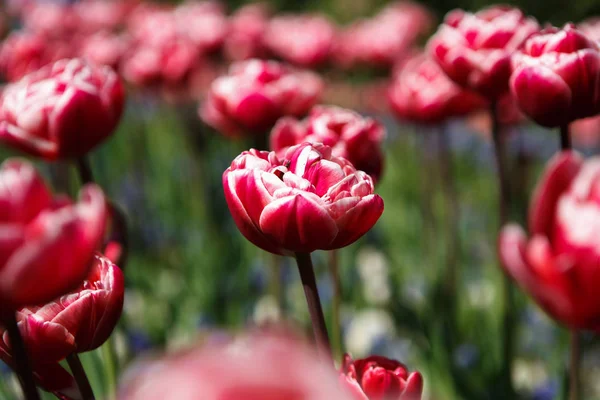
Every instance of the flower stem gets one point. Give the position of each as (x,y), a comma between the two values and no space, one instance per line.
(575,365)
(80,377)
(508,312)
(307,275)
(565,137)
(21,360)
(336,331)
(85,170)
(110,368)
(275,283)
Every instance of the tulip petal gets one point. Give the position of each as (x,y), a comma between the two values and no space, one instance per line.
(299,222)
(27,142)
(357,221)
(559,173)
(414,387)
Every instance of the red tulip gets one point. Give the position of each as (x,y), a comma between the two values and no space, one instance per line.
(557,266)
(556,77)
(22,53)
(204,23)
(79,321)
(47,244)
(475,49)
(422,93)
(349,135)
(247,27)
(104,48)
(379,378)
(305,201)
(256,94)
(260,367)
(61,111)
(591,28)
(304,40)
(94,16)
(50,20)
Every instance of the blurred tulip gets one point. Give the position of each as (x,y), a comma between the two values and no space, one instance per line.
(591,28)
(304,40)
(22,53)
(556,76)
(423,93)
(379,378)
(586,132)
(557,266)
(47,244)
(247,27)
(282,368)
(61,111)
(475,49)
(256,94)
(380,41)
(203,22)
(104,48)
(94,16)
(305,201)
(51,20)
(349,135)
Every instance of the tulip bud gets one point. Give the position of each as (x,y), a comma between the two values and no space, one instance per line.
(475,49)
(379,378)
(256,94)
(349,135)
(557,266)
(305,201)
(61,111)
(556,77)
(423,93)
(47,244)
(303,40)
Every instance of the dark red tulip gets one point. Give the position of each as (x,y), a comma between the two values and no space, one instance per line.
(61,111)
(556,76)
(255,94)
(302,202)
(423,93)
(303,40)
(281,368)
(475,49)
(247,27)
(557,265)
(380,378)
(47,243)
(350,136)
(78,321)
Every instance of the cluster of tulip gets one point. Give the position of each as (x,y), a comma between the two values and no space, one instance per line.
(307,185)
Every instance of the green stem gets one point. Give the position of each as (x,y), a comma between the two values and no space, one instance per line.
(80,376)
(21,359)
(565,137)
(336,331)
(309,283)
(575,366)
(109,358)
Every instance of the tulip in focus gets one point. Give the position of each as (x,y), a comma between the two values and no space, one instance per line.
(47,243)
(379,378)
(256,94)
(306,200)
(303,40)
(78,321)
(423,93)
(475,49)
(61,111)
(556,76)
(558,264)
(281,368)
(349,135)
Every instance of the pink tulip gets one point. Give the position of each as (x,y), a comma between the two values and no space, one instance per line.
(51,20)
(256,94)
(475,49)
(557,266)
(104,48)
(22,53)
(591,28)
(94,16)
(349,135)
(556,76)
(247,27)
(61,111)
(204,23)
(380,378)
(423,93)
(280,368)
(304,40)
(47,244)
(79,321)
(305,201)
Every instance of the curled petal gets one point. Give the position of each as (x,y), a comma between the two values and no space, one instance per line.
(357,221)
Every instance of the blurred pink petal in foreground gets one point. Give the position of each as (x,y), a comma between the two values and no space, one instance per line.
(266,367)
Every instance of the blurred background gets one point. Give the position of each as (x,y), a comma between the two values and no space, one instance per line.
(192,277)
